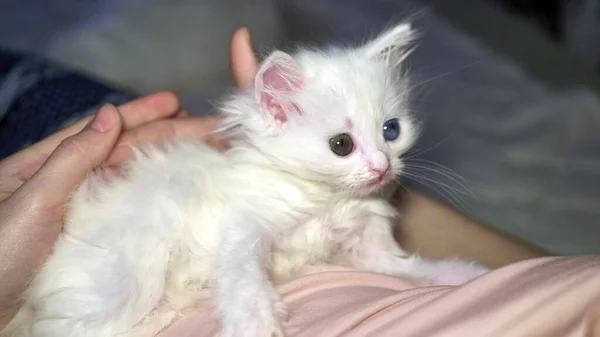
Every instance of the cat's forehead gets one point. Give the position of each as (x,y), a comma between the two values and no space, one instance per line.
(343,69)
(365,88)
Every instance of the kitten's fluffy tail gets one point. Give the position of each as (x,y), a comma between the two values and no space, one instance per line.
(20,325)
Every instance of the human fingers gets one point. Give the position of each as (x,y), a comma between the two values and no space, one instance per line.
(74,158)
(17,168)
(31,218)
(200,128)
(243,60)
(134,113)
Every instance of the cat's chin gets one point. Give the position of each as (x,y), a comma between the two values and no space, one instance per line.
(376,186)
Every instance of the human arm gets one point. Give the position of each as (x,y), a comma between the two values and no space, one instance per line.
(436,230)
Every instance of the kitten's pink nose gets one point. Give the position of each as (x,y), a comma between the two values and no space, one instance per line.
(379,163)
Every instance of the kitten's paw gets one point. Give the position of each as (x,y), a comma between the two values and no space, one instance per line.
(256,317)
(281,310)
(456,272)
(253,326)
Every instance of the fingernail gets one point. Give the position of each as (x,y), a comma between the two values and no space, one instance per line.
(105,119)
(247,36)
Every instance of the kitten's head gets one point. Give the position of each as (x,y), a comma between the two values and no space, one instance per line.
(338,116)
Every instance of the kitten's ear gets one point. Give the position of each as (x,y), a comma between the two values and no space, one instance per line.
(392,46)
(275,83)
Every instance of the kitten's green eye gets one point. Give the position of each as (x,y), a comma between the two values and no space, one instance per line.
(341,144)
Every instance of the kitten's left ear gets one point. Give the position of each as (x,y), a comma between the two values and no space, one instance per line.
(275,83)
(392,46)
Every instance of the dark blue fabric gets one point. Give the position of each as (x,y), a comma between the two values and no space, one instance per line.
(38,97)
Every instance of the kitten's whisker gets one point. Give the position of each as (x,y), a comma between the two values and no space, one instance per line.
(449,174)
(448,73)
(449,192)
(399,181)
(454,201)
(431,166)
(449,187)
(418,152)
(458,179)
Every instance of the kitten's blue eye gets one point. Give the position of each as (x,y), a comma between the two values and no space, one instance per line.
(391,130)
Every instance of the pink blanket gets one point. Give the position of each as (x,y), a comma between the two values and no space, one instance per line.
(547,297)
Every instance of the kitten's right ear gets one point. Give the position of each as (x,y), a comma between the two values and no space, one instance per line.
(275,82)
(392,46)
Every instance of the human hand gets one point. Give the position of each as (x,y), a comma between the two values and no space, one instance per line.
(31,216)
(36,182)
(152,118)
(148,119)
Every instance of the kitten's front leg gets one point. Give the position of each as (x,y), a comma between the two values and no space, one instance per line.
(377,250)
(247,303)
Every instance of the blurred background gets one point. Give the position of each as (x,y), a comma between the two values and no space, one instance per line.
(509,90)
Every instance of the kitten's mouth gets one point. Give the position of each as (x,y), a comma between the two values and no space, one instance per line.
(379,181)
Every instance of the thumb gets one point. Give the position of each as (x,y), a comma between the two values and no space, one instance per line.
(242,58)
(75,157)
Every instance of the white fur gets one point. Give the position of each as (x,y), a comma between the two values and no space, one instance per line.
(186,221)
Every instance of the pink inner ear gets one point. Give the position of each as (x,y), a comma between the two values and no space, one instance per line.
(280,78)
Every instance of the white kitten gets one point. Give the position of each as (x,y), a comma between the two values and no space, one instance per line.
(314,142)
